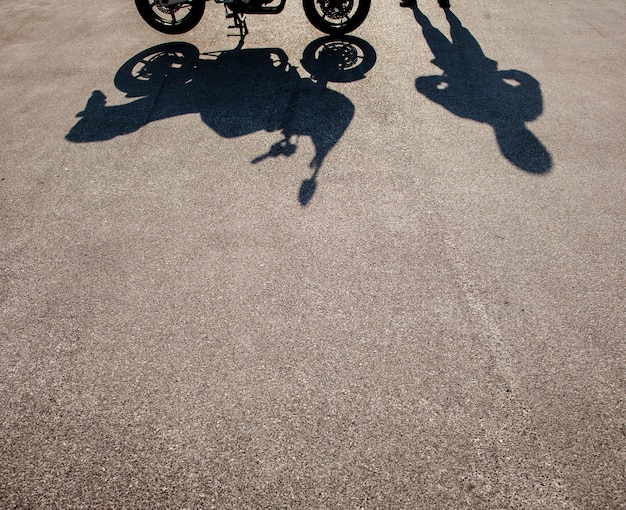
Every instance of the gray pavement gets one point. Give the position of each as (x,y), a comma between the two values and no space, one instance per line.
(230,284)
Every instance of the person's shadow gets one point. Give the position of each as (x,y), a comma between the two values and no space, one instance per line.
(236,92)
(472,87)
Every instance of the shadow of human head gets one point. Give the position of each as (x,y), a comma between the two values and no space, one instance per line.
(471,87)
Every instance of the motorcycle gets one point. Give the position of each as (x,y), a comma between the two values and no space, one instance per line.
(334,17)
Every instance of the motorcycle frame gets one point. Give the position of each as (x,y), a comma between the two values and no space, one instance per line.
(237,11)
(239,6)
(250,8)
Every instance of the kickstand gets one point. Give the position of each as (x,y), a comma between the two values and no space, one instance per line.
(239,23)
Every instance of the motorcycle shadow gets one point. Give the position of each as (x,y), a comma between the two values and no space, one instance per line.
(236,93)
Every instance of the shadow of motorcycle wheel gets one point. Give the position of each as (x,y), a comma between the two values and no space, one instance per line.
(143,74)
(339,59)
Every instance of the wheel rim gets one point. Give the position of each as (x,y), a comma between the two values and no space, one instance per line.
(336,12)
(172,15)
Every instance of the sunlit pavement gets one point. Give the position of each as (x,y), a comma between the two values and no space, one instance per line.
(384,272)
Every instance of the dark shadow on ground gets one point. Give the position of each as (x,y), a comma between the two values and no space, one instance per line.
(236,93)
(338,59)
(472,87)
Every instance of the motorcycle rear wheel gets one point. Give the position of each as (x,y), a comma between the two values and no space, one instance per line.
(336,17)
(176,19)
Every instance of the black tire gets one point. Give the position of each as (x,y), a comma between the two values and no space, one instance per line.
(143,74)
(336,17)
(177,19)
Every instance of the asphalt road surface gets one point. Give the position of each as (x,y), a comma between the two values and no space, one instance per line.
(383,272)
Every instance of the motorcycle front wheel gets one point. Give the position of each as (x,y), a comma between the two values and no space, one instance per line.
(175,19)
(336,16)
